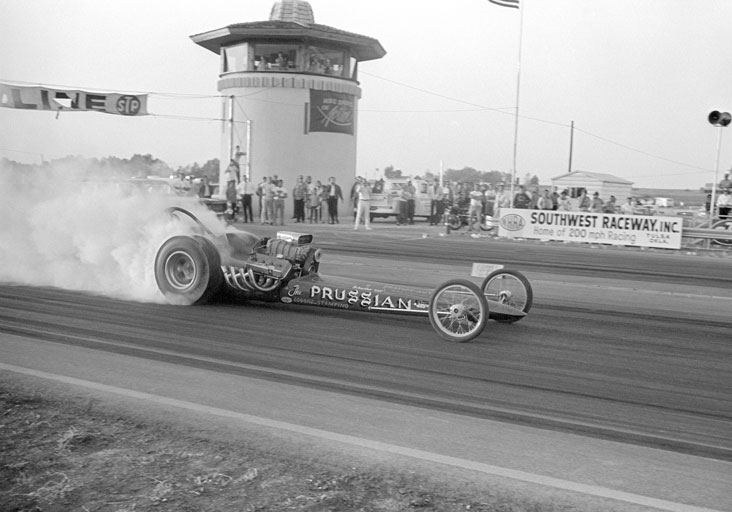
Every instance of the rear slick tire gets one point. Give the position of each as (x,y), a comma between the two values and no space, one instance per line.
(187,271)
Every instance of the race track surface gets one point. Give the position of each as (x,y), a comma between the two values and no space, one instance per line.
(621,345)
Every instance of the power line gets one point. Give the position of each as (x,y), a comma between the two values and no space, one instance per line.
(102,89)
(503,110)
(477,108)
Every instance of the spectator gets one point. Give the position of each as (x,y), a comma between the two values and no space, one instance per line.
(281,62)
(596,204)
(521,199)
(546,202)
(489,199)
(410,201)
(335,194)
(403,209)
(502,200)
(244,190)
(555,198)
(238,154)
(182,186)
(269,196)
(231,201)
(535,196)
(435,193)
(314,201)
(726,183)
(232,172)
(628,207)
(379,186)
(299,194)
(280,194)
(609,206)
(584,202)
(324,198)
(205,191)
(440,194)
(260,194)
(475,213)
(191,191)
(354,196)
(565,203)
(724,204)
(363,193)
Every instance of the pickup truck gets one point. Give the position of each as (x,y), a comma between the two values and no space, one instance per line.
(386,204)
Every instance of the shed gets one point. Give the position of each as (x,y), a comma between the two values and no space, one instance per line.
(606,184)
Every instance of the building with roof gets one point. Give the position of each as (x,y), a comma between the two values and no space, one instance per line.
(605,184)
(291,92)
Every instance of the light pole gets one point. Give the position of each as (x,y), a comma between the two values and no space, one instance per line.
(720,120)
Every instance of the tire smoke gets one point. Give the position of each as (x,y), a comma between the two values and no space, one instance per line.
(66,228)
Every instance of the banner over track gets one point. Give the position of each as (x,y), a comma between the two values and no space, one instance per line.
(58,100)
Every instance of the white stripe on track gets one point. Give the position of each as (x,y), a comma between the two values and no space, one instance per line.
(488,469)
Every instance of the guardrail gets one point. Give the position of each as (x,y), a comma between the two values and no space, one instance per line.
(708,235)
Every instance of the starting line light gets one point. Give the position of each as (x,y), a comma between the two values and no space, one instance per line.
(720,118)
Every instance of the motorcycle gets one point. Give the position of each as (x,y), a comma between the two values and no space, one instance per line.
(457,217)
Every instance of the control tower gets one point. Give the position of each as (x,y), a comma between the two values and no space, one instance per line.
(290,90)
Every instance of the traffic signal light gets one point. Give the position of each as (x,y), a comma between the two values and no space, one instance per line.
(720,118)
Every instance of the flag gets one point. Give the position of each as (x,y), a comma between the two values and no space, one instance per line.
(506,3)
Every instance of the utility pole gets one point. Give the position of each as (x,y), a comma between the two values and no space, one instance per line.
(571,145)
(720,120)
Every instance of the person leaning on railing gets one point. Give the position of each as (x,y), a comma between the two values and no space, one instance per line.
(724,204)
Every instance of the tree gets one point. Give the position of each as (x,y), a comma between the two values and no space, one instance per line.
(466,175)
(211,169)
(391,173)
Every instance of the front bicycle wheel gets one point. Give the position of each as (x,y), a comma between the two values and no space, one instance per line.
(458,310)
(509,287)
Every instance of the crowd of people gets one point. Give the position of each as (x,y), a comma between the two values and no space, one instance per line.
(317,202)
(562,201)
(312,200)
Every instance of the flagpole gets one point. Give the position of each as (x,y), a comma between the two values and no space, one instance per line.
(518,92)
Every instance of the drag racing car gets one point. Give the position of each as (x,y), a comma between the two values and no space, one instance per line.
(196,265)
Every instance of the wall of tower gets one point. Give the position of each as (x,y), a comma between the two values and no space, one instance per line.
(282,142)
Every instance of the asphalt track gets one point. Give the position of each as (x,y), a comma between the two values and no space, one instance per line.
(623,346)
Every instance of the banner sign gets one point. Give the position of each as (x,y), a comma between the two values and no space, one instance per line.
(331,112)
(43,98)
(597,228)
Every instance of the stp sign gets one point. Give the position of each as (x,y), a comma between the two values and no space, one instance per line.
(128,105)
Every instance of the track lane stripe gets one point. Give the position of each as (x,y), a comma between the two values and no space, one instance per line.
(488,469)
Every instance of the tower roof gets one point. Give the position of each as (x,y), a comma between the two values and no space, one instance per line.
(298,11)
(290,20)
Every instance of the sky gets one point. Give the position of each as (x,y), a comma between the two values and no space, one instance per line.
(637,77)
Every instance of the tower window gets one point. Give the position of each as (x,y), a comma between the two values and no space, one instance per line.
(325,61)
(275,57)
(235,58)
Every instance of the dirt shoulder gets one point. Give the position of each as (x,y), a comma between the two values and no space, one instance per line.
(63,451)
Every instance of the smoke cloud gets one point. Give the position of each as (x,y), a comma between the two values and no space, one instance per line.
(67,228)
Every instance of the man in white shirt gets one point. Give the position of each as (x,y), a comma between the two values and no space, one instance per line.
(503,200)
(245,190)
(628,207)
(724,204)
(363,209)
(476,209)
